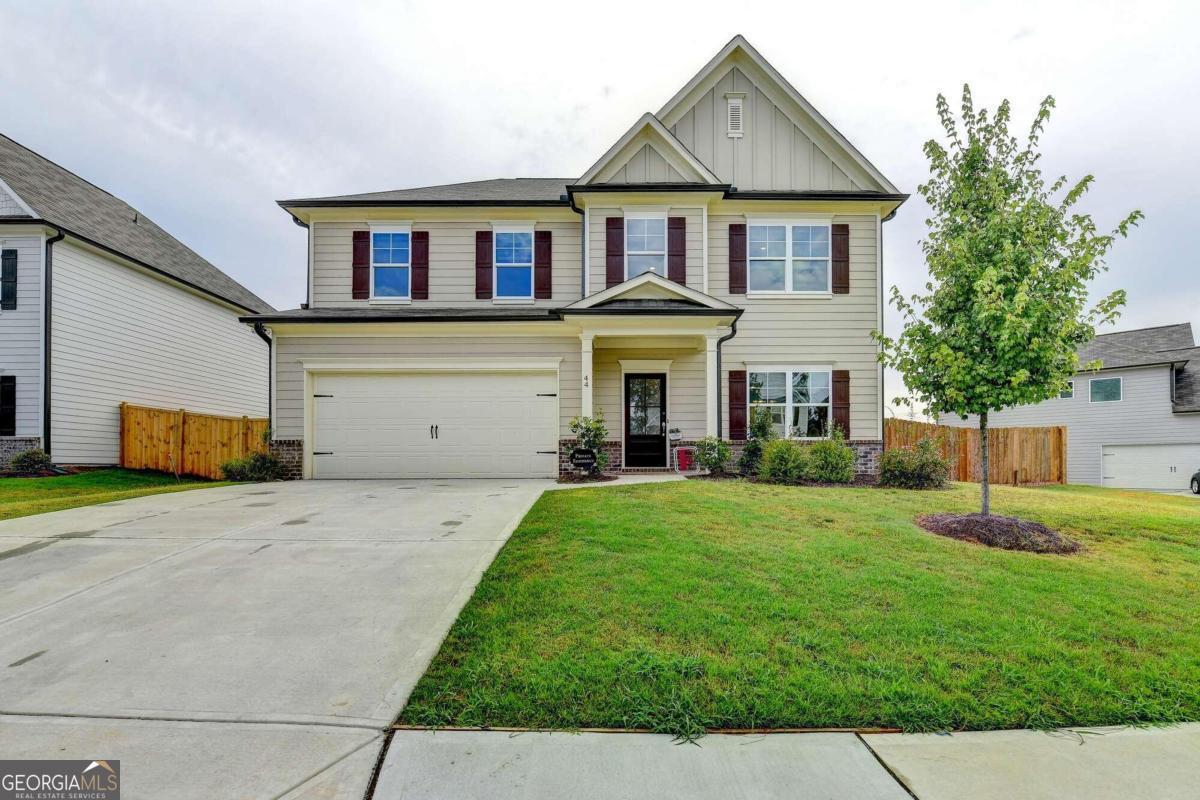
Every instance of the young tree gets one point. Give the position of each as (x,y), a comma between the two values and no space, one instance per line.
(1010,261)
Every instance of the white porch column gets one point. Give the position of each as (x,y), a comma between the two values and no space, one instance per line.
(585,375)
(712,384)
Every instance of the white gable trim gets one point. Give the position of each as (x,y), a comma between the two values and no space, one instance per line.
(726,59)
(671,287)
(649,130)
(4,187)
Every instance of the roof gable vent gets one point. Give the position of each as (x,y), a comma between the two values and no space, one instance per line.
(734,115)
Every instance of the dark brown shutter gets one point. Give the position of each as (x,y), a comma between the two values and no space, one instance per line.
(614,251)
(8,280)
(840,244)
(420,265)
(360,281)
(483,265)
(542,274)
(737,405)
(8,405)
(841,400)
(677,249)
(737,258)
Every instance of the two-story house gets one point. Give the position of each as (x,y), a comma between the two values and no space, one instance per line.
(724,254)
(99,306)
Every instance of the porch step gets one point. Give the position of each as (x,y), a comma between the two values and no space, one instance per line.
(644,470)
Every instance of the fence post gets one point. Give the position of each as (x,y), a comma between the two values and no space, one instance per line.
(121,437)
(179,442)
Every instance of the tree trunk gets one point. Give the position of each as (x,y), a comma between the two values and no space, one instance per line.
(983,464)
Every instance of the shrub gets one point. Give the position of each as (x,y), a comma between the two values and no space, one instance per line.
(917,467)
(590,434)
(783,461)
(761,431)
(713,454)
(254,467)
(30,462)
(829,460)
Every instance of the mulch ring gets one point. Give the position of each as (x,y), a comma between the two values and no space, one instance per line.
(1006,533)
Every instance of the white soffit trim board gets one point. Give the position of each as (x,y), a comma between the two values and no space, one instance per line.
(678,104)
(430,365)
(639,365)
(648,122)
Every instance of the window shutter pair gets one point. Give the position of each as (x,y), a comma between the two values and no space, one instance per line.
(614,250)
(8,405)
(839,261)
(360,271)
(8,280)
(738,399)
(543,273)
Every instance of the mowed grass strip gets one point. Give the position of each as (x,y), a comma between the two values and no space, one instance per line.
(679,607)
(21,497)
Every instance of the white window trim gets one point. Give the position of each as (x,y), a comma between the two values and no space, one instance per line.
(788,222)
(513,227)
(656,213)
(390,227)
(1070,391)
(788,405)
(1120,382)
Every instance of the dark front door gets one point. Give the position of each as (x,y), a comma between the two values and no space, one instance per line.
(645,420)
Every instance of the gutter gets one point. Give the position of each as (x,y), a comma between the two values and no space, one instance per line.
(47,294)
(550,315)
(261,330)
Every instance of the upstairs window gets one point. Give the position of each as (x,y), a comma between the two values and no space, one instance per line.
(1105,390)
(645,245)
(390,265)
(8,280)
(513,258)
(789,258)
(1067,393)
(798,400)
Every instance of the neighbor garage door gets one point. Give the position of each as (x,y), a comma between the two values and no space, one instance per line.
(435,425)
(1150,466)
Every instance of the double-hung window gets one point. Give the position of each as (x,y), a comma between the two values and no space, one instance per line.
(391,251)
(1067,393)
(789,258)
(798,400)
(513,258)
(645,245)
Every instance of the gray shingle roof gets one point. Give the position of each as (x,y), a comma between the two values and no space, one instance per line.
(1160,345)
(62,198)
(498,190)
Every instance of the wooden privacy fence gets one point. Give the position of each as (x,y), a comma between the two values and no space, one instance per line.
(1015,455)
(186,443)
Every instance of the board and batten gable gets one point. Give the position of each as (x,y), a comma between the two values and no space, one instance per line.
(123,335)
(21,331)
(1142,416)
(647,165)
(451,260)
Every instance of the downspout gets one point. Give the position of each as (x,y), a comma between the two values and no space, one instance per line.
(732,333)
(47,290)
(261,330)
(583,245)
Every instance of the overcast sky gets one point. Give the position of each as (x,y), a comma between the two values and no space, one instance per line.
(203,119)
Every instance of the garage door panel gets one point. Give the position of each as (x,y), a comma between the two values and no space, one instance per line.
(1166,467)
(488,425)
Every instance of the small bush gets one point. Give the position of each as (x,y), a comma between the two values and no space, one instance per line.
(590,434)
(783,461)
(829,460)
(761,431)
(30,462)
(254,467)
(713,454)
(917,467)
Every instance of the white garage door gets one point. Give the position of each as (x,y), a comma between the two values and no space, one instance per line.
(435,425)
(1150,466)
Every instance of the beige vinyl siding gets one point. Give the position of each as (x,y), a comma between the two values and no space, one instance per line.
(451,262)
(647,165)
(21,333)
(598,243)
(292,350)
(772,154)
(1142,416)
(686,391)
(804,331)
(122,335)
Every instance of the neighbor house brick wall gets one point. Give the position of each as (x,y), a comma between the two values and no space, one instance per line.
(290,453)
(11,445)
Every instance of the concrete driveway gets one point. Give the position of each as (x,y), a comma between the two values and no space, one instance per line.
(248,641)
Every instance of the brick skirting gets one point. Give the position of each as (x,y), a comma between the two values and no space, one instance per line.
(11,445)
(290,453)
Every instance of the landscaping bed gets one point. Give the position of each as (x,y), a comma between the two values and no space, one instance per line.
(695,605)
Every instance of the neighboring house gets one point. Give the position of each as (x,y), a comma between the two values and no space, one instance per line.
(723,254)
(101,306)
(1135,423)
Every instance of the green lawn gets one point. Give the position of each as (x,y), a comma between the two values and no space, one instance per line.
(20,497)
(677,607)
